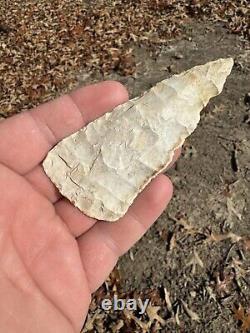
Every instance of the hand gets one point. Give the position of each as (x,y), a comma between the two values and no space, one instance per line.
(52,256)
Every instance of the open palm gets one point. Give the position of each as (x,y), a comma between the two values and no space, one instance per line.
(52,256)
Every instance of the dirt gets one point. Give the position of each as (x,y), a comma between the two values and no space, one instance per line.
(209,215)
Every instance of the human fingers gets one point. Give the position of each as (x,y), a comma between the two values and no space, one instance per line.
(102,245)
(27,137)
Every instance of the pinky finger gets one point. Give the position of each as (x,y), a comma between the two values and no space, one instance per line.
(102,245)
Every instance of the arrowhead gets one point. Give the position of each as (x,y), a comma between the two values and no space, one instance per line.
(104,166)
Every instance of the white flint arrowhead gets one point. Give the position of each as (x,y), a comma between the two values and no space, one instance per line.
(105,165)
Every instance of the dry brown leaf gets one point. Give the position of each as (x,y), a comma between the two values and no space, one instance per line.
(195,260)
(246,243)
(221,237)
(243,317)
(130,315)
(152,312)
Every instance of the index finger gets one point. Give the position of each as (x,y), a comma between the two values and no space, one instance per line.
(26,138)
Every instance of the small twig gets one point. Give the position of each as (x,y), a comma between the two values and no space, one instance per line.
(193,315)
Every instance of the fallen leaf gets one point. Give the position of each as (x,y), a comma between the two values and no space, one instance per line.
(243,317)
(152,312)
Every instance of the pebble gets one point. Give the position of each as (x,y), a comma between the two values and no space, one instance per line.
(178,56)
(247,99)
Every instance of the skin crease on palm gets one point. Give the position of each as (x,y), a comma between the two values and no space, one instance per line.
(52,256)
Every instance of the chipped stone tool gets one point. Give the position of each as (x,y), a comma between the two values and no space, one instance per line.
(105,165)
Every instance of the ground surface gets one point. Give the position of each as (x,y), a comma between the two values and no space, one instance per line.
(194,250)
(198,252)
